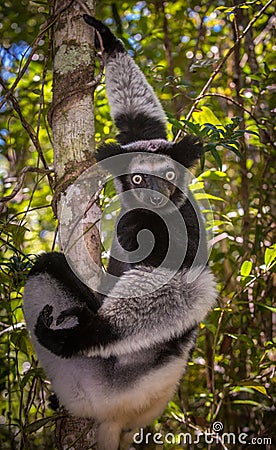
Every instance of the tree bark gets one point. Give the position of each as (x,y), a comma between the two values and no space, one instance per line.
(73,68)
(72,121)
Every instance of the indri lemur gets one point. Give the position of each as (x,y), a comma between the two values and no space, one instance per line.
(123,354)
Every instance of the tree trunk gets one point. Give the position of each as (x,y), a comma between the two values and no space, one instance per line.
(72,112)
(72,121)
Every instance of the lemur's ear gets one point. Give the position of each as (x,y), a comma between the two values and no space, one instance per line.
(106,151)
(187,151)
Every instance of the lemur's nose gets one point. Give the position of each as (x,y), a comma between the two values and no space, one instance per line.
(156,198)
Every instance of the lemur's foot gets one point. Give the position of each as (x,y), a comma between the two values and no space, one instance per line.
(110,42)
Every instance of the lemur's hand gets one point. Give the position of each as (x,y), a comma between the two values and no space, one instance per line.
(110,42)
(81,312)
(65,341)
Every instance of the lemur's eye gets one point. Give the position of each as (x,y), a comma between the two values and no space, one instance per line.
(137,179)
(170,175)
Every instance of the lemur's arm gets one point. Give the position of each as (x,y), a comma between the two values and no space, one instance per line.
(134,316)
(135,108)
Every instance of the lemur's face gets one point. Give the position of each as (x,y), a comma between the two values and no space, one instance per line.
(152,180)
(152,173)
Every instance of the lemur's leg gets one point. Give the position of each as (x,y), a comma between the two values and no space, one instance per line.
(148,317)
(135,108)
(55,267)
(52,287)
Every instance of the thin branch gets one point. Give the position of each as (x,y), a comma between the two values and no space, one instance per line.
(33,136)
(11,218)
(84,7)
(222,62)
(20,181)
(168,53)
(44,27)
(13,327)
(199,429)
(41,97)
(201,31)
(229,99)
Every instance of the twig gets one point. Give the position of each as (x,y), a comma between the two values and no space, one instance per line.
(33,136)
(199,429)
(13,327)
(229,99)
(33,46)
(41,97)
(84,7)
(20,180)
(89,12)
(168,53)
(222,62)
(201,31)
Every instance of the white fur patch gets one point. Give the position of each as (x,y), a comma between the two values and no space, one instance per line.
(150,165)
(147,318)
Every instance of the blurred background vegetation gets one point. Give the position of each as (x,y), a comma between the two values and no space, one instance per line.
(211,63)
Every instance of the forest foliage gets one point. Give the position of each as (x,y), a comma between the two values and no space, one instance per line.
(212,65)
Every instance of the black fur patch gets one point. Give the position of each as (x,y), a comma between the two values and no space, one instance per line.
(110,42)
(190,249)
(139,127)
(176,346)
(187,151)
(145,361)
(57,267)
(91,331)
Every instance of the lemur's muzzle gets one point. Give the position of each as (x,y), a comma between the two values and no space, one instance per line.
(157,193)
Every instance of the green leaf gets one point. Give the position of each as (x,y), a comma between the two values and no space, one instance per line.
(213,174)
(176,123)
(194,127)
(204,196)
(232,148)
(246,268)
(211,327)
(21,341)
(251,132)
(250,385)
(218,223)
(270,255)
(260,389)
(206,115)
(33,427)
(267,69)
(217,157)
(31,373)
(199,185)
(270,308)
(256,77)
(246,402)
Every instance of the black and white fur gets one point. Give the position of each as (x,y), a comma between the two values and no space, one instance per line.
(118,358)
